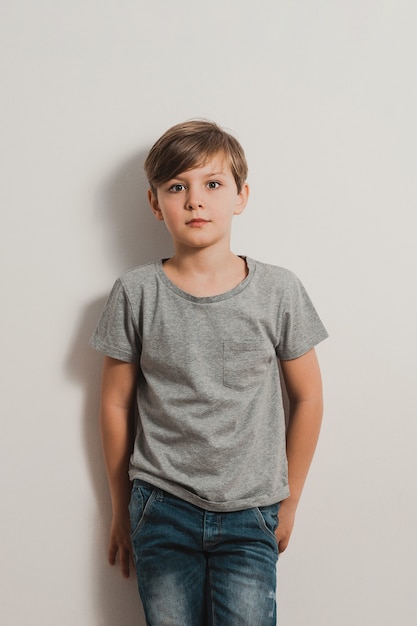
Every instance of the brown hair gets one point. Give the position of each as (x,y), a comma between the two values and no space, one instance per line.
(189,145)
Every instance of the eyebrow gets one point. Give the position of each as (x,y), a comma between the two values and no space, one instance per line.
(209,175)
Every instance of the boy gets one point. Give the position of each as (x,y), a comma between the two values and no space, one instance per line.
(197,339)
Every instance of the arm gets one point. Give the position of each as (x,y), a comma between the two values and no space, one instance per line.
(118,386)
(303,382)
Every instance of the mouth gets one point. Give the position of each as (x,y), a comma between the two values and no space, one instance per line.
(198,221)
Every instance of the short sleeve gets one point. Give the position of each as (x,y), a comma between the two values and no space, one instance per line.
(115,334)
(300,328)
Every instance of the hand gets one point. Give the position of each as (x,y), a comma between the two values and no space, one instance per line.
(120,544)
(286,517)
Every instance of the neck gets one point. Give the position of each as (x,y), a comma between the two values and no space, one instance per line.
(202,260)
(205,273)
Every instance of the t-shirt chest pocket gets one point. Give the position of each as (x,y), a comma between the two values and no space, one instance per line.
(245,363)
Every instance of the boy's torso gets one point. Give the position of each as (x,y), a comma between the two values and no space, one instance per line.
(211,421)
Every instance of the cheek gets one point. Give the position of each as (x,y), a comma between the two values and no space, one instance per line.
(170,213)
(171,222)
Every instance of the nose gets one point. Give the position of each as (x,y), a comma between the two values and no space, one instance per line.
(193,201)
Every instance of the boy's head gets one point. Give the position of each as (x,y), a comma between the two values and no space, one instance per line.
(189,145)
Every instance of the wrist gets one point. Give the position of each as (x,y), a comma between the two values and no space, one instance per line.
(290,503)
(120,500)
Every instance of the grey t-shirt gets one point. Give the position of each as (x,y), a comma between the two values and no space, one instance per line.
(211,426)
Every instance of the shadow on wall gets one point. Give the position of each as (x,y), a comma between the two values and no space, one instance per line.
(132,237)
(132,234)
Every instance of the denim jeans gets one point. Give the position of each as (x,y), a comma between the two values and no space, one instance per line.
(202,568)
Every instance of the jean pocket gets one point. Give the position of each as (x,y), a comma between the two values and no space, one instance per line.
(140,504)
(245,363)
(268,518)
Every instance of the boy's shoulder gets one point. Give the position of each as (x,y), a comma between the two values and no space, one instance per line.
(273,272)
(139,274)
(277,281)
(138,281)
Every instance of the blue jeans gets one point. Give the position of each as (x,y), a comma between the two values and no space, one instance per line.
(201,568)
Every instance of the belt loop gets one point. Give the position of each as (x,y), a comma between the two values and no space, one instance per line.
(159,495)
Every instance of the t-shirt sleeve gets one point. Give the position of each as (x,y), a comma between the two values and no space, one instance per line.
(115,334)
(300,328)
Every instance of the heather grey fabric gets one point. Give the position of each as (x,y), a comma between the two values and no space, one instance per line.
(211,424)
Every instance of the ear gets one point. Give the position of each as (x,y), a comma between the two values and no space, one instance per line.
(242,199)
(154,204)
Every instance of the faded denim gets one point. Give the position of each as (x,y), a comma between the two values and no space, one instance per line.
(202,568)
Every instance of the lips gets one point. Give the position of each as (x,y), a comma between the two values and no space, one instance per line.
(198,221)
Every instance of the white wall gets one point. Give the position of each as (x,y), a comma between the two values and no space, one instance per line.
(323,96)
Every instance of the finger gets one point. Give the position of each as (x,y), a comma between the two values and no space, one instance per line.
(112,553)
(282,545)
(124,556)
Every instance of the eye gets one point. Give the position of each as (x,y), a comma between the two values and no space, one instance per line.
(213,184)
(176,188)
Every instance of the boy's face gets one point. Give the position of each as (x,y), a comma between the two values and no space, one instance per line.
(198,205)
